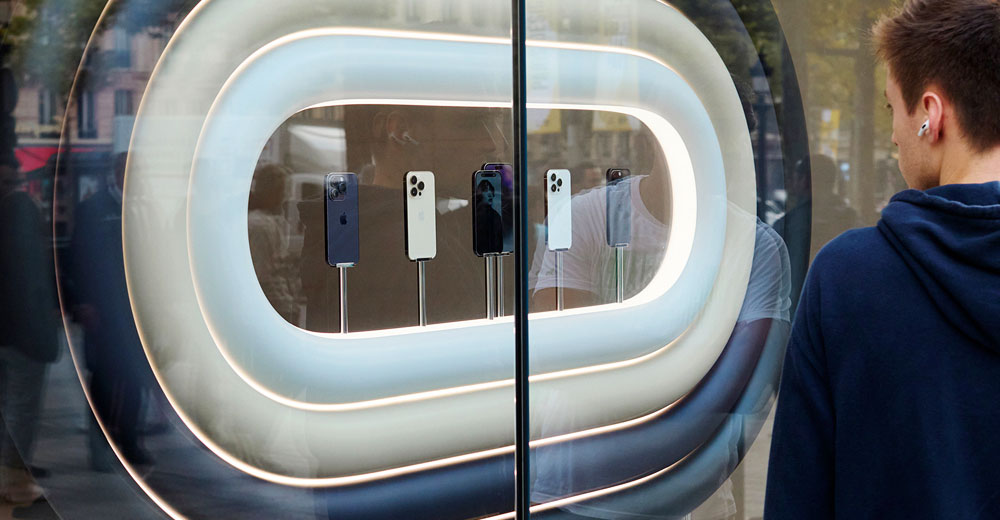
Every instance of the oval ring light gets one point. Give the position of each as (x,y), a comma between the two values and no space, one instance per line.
(356,436)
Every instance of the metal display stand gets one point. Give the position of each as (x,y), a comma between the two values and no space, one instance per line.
(343,298)
(422,290)
(560,302)
(620,272)
(499,286)
(491,299)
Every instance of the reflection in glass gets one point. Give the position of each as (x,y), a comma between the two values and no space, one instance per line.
(488,228)
(675,459)
(72,115)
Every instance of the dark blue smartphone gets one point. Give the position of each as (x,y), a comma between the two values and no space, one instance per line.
(341,196)
(506,203)
(618,194)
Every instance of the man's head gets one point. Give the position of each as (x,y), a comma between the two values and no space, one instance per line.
(270,182)
(943,58)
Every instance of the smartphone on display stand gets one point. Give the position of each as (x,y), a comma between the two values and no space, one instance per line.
(421,215)
(558,210)
(618,193)
(341,203)
(487,217)
(506,203)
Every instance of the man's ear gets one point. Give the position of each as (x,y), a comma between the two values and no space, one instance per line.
(933,105)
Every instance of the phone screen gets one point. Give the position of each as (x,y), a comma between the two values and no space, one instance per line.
(487,216)
(618,191)
(506,202)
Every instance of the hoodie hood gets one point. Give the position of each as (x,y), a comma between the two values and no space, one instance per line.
(949,237)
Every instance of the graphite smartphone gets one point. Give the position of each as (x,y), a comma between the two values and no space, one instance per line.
(421,215)
(558,213)
(506,202)
(618,194)
(341,203)
(487,218)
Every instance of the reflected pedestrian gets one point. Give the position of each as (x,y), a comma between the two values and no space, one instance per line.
(28,329)
(114,355)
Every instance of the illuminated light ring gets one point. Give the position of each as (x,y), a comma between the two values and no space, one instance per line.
(156,143)
(305,369)
(477,488)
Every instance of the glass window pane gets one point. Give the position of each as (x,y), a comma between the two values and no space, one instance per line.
(661,287)
(199,368)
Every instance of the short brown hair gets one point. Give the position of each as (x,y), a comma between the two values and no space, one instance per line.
(954,45)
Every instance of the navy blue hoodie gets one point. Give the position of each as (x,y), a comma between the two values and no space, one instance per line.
(889,405)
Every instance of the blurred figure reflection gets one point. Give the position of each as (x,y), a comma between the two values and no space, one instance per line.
(831,215)
(268,230)
(764,318)
(589,266)
(589,278)
(28,328)
(816,212)
(113,352)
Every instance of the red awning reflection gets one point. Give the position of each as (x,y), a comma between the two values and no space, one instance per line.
(35,157)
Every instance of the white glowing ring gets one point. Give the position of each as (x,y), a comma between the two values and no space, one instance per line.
(318,66)
(382,438)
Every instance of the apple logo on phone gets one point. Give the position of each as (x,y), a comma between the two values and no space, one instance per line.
(421,215)
(343,219)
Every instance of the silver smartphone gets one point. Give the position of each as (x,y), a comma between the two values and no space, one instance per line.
(558,210)
(421,215)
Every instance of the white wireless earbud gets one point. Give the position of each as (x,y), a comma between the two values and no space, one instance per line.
(923,128)
(404,140)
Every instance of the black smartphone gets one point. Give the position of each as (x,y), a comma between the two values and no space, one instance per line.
(487,217)
(506,203)
(341,197)
(618,194)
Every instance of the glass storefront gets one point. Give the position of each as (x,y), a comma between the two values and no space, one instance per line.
(268,266)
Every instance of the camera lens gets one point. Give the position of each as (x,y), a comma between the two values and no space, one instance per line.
(334,192)
(342,186)
(413,180)
(413,192)
(553,177)
(420,186)
(559,182)
(553,188)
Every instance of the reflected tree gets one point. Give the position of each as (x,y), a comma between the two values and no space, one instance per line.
(48,37)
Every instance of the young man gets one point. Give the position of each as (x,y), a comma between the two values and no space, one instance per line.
(890,397)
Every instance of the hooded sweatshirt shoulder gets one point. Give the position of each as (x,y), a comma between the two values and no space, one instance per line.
(890,395)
